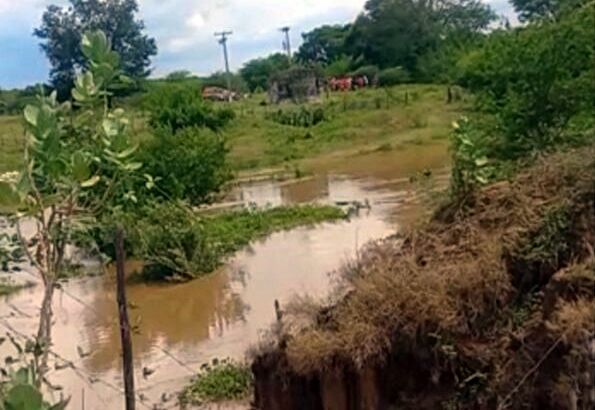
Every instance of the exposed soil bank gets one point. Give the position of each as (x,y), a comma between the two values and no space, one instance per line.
(490,307)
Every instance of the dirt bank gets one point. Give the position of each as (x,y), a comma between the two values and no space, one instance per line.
(491,307)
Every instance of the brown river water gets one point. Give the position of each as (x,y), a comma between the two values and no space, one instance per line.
(184,325)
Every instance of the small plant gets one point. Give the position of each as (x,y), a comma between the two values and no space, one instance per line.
(305,117)
(470,166)
(218,381)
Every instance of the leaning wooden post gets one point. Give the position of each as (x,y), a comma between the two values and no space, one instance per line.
(124,322)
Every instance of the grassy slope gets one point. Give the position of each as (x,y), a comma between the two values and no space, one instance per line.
(363,120)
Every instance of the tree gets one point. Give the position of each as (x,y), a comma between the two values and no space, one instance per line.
(78,165)
(393,33)
(62,28)
(257,72)
(534,81)
(178,75)
(323,44)
(544,9)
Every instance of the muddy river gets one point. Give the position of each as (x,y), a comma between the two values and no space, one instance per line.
(179,327)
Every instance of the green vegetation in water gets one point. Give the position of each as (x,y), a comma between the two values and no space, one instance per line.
(218,381)
(177,244)
(8,288)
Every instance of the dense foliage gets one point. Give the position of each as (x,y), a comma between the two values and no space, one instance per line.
(533,81)
(324,44)
(61,32)
(257,72)
(189,164)
(175,107)
(303,116)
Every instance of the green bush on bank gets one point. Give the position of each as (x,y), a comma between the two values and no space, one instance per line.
(177,244)
(176,107)
(188,165)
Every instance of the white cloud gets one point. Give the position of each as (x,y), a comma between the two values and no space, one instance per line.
(184,28)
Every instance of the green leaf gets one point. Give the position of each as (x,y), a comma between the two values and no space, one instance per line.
(481,162)
(23,397)
(91,182)
(127,152)
(31,114)
(133,166)
(80,167)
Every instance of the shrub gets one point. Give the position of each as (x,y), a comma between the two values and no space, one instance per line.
(470,166)
(302,117)
(393,76)
(190,164)
(176,107)
(370,71)
(218,381)
(177,244)
(534,80)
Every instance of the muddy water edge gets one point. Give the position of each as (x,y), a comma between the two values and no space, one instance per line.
(179,327)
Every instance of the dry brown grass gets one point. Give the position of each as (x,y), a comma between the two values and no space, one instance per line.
(469,288)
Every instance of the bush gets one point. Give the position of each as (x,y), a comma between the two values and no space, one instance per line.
(176,107)
(177,244)
(370,71)
(189,165)
(218,381)
(302,117)
(393,76)
(470,165)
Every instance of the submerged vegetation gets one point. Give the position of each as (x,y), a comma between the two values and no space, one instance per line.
(177,244)
(218,381)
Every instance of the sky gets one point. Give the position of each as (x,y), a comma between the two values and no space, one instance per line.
(184,31)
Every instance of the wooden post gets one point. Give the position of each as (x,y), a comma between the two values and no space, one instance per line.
(127,362)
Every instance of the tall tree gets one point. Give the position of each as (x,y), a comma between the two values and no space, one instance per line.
(256,72)
(323,44)
(396,32)
(543,9)
(62,28)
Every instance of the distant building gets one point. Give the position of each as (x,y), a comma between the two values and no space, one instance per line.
(297,84)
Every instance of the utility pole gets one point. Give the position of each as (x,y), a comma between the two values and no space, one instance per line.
(287,41)
(223,36)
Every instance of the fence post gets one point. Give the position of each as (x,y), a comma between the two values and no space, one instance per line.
(127,359)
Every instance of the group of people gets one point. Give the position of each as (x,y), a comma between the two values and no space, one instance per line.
(348,83)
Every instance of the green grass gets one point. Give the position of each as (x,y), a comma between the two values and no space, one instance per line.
(176,245)
(218,381)
(354,120)
(7,287)
(11,143)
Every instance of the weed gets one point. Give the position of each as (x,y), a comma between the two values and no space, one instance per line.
(218,381)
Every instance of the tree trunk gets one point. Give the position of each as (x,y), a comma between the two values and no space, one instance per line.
(127,359)
(44,331)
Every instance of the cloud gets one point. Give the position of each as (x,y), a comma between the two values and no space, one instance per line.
(184,31)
